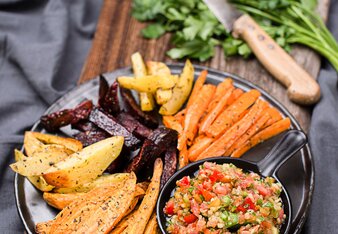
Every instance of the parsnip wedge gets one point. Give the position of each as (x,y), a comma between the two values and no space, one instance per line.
(86,165)
(180,92)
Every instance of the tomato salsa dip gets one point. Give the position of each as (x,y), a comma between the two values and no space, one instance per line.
(225,199)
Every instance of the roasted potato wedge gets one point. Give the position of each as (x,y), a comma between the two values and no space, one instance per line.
(103,180)
(38,181)
(147,102)
(86,165)
(32,144)
(40,161)
(149,83)
(70,143)
(180,92)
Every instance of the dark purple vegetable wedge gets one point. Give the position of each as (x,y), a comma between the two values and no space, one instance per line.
(109,124)
(92,136)
(133,126)
(170,164)
(108,96)
(157,143)
(133,108)
(52,122)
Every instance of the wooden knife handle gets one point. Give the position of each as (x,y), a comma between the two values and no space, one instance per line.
(302,88)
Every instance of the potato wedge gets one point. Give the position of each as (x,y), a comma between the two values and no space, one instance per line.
(32,144)
(38,181)
(158,68)
(86,165)
(70,143)
(100,181)
(97,211)
(59,200)
(147,102)
(40,161)
(180,92)
(149,83)
(148,203)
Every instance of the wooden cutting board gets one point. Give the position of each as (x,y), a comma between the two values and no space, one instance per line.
(118,36)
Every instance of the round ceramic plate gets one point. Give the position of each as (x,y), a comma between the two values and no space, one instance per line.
(297,174)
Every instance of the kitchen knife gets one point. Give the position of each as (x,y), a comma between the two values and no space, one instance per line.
(301,87)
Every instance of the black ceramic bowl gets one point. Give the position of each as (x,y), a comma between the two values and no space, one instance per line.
(292,141)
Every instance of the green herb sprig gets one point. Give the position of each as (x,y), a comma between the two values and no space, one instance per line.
(196,31)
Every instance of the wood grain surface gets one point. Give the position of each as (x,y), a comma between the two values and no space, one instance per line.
(118,36)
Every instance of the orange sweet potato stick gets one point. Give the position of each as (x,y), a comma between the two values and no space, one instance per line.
(263,135)
(221,145)
(234,96)
(198,147)
(251,131)
(183,157)
(196,110)
(275,116)
(197,87)
(221,90)
(172,122)
(215,111)
(180,116)
(231,115)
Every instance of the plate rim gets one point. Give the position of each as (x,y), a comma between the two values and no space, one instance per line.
(309,166)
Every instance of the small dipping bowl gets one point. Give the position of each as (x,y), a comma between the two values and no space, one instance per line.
(291,143)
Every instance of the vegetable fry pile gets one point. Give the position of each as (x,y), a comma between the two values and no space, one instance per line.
(121,206)
(223,120)
(155,79)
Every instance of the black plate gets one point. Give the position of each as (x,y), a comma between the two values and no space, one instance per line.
(297,174)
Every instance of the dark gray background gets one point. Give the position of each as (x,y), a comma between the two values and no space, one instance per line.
(43,45)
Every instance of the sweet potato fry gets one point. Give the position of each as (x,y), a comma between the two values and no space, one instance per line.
(251,131)
(44,227)
(231,115)
(124,223)
(152,225)
(100,209)
(148,203)
(216,110)
(263,135)
(198,147)
(183,157)
(59,200)
(197,87)
(196,110)
(221,90)
(221,145)
(180,116)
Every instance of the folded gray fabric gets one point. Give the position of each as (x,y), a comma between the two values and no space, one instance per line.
(43,45)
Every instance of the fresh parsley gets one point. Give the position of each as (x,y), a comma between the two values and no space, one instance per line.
(196,31)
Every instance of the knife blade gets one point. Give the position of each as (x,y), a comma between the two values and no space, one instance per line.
(301,87)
